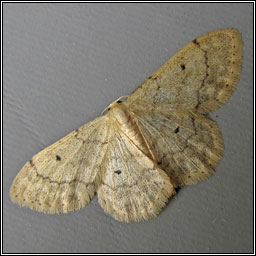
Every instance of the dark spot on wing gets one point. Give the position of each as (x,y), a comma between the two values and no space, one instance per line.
(58,158)
(195,42)
(117,172)
(177,189)
(177,129)
(31,162)
(182,66)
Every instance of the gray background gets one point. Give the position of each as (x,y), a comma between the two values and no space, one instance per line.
(63,64)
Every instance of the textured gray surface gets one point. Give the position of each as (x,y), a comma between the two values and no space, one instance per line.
(63,64)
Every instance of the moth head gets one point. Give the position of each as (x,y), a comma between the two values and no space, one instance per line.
(113,104)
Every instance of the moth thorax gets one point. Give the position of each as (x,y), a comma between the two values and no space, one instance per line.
(129,127)
(120,114)
(126,124)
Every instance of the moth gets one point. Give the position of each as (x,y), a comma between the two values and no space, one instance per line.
(136,154)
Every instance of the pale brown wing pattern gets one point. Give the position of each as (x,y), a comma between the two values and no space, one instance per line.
(64,176)
(201,76)
(134,187)
(184,144)
(136,154)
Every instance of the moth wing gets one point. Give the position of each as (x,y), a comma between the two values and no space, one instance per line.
(133,187)
(64,176)
(201,76)
(186,145)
